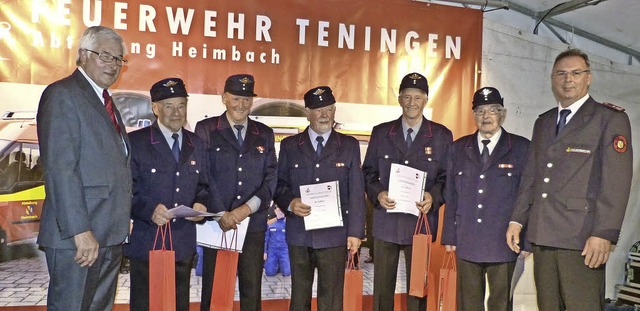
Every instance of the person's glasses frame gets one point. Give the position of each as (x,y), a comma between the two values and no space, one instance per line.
(108,58)
(574,74)
(492,111)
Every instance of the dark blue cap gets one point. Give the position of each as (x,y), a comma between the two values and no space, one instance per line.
(486,96)
(240,85)
(168,88)
(416,81)
(319,97)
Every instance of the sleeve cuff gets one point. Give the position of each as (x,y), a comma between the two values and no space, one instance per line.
(254,204)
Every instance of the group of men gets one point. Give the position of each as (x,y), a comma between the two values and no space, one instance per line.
(567,189)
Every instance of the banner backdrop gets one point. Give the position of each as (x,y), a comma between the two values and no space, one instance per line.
(360,48)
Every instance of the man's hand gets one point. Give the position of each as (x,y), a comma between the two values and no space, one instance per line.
(353,244)
(87,248)
(161,215)
(385,201)
(300,209)
(197,207)
(227,222)
(596,251)
(241,212)
(513,237)
(450,248)
(425,205)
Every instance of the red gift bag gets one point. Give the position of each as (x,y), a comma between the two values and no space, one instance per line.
(447,291)
(162,273)
(224,277)
(353,282)
(420,257)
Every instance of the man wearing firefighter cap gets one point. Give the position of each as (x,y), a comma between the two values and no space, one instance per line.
(414,141)
(483,173)
(320,155)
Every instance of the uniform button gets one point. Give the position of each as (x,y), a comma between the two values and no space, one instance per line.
(295,165)
(429,159)
(197,171)
(459,173)
(347,212)
(240,156)
(546,179)
(549,165)
(317,165)
(239,183)
(153,170)
(480,191)
(177,173)
(218,149)
(174,220)
(177,189)
(175,204)
(406,161)
(239,169)
(479,220)
(386,156)
(238,197)
(544,195)
(509,174)
(317,179)
(479,205)
(482,176)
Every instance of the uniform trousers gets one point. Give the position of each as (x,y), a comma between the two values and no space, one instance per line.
(330,263)
(250,265)
(72,287)
(471,284)
(563,281)
(385,273)
(139,273)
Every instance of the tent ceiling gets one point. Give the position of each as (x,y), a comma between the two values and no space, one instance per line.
(612,23)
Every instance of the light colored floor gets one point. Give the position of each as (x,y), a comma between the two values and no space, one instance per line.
(24,280)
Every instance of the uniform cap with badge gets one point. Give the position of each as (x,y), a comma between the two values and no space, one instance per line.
(487,96)
(416,81)
(168,88)
(319,97)
(240,85)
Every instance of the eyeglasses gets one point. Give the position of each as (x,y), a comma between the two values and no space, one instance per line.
(108,58)
(491,111)
(574,74)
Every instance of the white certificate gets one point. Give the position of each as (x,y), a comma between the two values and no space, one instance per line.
(324,200)
(406,187)
(210,234)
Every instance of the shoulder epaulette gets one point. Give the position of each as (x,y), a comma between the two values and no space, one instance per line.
(613,106)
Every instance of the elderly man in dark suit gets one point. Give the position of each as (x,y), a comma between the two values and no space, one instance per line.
(242,160)
(319,155)
(414,141)
(483,173)
(85,153)
(574,190)
(169,169)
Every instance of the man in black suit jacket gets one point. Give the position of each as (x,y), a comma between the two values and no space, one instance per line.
(85,153)
(483,173)
(574,190)
(242,160)
(320,155)
(393,232)
(169,169)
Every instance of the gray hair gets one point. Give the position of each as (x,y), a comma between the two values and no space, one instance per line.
(93,35)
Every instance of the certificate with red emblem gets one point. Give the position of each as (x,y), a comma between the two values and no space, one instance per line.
(324,200)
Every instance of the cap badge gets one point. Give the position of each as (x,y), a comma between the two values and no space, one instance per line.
(245,80)
(170,83)
(486,93)
(415,77)
(318,92)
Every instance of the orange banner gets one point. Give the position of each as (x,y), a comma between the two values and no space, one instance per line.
(361,48)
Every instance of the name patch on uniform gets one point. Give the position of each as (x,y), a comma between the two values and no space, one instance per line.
(427,150)
(339,164)
(620,144)
(578,150)
(260,149)
(504,165)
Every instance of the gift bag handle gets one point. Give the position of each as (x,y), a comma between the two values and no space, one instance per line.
(422,223)
(352,264)
(231,245)
(449,261)
(162,230)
